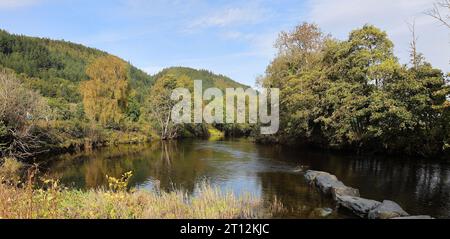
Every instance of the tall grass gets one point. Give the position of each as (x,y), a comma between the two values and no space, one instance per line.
(50,200)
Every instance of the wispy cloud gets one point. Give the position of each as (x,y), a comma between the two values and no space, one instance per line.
(12,4)
(231,16)
(384,12)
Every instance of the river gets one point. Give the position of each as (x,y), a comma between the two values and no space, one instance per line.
(267,171)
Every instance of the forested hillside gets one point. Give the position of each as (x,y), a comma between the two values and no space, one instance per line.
(86,97)
(55,68)
(209,79)
(345,94)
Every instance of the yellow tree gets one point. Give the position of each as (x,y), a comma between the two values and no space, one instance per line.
(105,94)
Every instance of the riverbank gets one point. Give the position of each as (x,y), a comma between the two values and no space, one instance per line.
(52,201)
(17,203)
(70,136)
(268,171)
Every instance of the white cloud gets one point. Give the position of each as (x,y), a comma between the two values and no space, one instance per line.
(231,16)
(11,4)
(340,17)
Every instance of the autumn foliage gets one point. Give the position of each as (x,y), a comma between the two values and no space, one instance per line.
(105,94)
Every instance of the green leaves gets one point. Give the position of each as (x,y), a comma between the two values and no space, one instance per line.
(105,96)
(357,94)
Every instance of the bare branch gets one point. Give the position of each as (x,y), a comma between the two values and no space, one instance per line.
(441,12)
(416,57)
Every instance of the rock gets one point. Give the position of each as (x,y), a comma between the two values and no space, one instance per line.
(310,175)
(349,198)
(325,182)
(359,206)
(300,169)
(344,191)
(328,184)
(386,210)
(322,212)
(414,217)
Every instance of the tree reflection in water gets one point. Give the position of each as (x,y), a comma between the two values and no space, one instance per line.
(421,187)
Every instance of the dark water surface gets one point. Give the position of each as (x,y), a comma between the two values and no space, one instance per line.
(269,172)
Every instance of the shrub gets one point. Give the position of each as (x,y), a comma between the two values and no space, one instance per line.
(20,110)
(9,169)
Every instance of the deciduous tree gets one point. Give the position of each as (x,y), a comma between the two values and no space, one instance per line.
(159,104)
(105,94)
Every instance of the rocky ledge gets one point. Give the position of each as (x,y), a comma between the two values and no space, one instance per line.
(349,198)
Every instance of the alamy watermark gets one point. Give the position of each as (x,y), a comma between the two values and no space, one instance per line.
(263,106)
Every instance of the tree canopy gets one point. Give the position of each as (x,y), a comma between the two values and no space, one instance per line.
(356,95)
(105,95)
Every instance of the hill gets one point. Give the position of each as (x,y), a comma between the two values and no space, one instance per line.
(91,97)
(55,68)
(209,78)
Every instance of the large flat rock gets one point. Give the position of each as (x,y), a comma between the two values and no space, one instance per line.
(359,206)
(326,182)
(344,191)
(311,175)
(386,210)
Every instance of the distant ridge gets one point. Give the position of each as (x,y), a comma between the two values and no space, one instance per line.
(56,67)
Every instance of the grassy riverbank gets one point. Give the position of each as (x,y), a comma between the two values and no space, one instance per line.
(50,200)
(18,203)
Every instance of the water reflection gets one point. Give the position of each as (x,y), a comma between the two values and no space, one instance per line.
(270,172)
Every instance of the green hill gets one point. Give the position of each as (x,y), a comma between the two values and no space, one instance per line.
(55,68)
(209,78)
(110,112)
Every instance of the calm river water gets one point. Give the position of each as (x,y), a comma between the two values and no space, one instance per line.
(268,172)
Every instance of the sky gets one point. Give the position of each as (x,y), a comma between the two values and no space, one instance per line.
(233,38)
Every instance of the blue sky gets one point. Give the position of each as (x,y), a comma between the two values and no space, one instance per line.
(234,38)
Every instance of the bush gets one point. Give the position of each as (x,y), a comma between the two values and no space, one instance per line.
(20,111)
(9,169)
